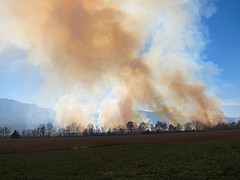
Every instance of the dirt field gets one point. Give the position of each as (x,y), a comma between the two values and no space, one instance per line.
(46,144)
(186,155)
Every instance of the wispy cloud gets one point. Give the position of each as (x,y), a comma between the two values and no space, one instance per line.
(231,102)
(13,57)
(209,9)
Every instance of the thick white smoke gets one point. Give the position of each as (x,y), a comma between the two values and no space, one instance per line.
(119,55)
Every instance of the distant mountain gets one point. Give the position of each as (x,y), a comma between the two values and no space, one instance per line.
(232,119)
(22,116)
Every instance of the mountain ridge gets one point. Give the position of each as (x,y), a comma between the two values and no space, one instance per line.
(18,115)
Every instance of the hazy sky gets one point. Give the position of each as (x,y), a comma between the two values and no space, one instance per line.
(23,82)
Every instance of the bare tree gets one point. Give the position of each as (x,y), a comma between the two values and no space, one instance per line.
(6,130)
(142,127)
(238,124)
(98,130)
(49,129)
(28,133)
(197,125)
(90,128)
(159,126)
(165,126)
(149,126)
(109,131)
(171,127)
(120,129)
(224,125)
(74,128)
(1,131)
(115,130)
(24,133)
(179,127)
(68,130)
(130,126)
(41,130)
(233,125)
(188,126)
(85,132)
(103,130)
(61,132)
(35,132)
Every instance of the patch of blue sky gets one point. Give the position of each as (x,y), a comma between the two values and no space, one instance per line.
(18,79)
(224,50)
(147,47)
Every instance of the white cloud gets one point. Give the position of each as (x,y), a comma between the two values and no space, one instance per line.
(231,102)
(209,10)
(13,57)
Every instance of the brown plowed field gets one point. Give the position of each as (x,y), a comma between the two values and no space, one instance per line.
(48,144)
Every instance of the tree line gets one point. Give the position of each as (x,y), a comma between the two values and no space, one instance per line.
(74,129)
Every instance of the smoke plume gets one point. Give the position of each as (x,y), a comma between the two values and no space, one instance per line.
(115,56)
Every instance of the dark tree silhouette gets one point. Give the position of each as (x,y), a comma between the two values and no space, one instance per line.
(179,127)
(41,130)
(74,128)
(238,124)
(188,126)
(121,129)
(28,133)
(49,129)
(85,132)
(197,125)
(68,130)
(164,126)
(90,128)
(233,125)
(159,126)
(15,135)
(142,127)
(1,131)
(6,130)
(130,126)
(171,127)
(60,132)
(145,127)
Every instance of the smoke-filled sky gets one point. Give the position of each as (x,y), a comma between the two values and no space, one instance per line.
(179,58)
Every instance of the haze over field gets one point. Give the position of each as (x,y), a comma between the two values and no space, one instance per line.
(113,57)
(22,116)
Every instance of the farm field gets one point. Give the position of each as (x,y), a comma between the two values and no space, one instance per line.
(188,155)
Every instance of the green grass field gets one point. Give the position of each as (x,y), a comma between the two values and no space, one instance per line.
(210,159)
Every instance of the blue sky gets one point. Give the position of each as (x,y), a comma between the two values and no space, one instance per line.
(224,51)
(18,80)
(23,82)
